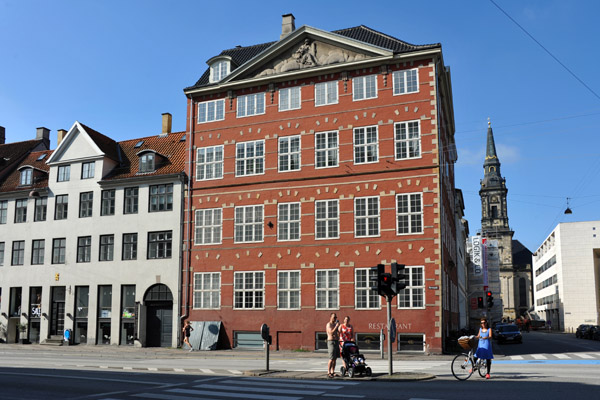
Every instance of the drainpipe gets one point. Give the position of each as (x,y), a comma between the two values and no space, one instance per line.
(441,169)
(187,255)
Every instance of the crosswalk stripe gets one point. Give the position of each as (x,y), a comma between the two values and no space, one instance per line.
(167,396)
(539,356)
(583,355)
(321,382)
(235,395)
(282,384)
(260,389)
(516,357)
(561,355)
(207,371)
(235,371)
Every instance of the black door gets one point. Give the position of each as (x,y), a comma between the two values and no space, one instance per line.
(159,326)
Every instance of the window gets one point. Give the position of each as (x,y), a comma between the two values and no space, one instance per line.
(37,253)
(207,290)
(20,210)
(248,224)
(289,153)
(365,145)
(413,296)
(250,104)
(288,290)
(58,250)
(208,226)
(159,244)
(87,170)
(327,219)
(327,289)
(209,163)
(130,246)
(86,202)
(366,216)
(405,81)
(411,342)
(288,221)
(289,99)
(219,70)
(3,211)
(147,162)
(1,254)
(409,210)
(18,252)
(108,202)
(248,290)
(64,173)
(250,158)
(84,249)
(161,197)
(326,93)
(131,200)
(365,297)
(61,207)
(26,177)
(41,206)
(407,140)
(107,247)
(364,87)
(326,149)
(209,111)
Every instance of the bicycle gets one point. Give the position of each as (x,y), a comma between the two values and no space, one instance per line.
(464,364)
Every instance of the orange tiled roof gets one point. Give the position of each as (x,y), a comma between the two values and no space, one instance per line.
(40,175)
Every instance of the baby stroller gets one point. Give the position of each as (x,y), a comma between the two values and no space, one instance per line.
(354,360)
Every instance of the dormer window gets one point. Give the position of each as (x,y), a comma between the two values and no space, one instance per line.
(26,177)
(147,162)
(219,70)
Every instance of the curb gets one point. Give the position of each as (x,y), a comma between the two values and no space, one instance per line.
(304,375)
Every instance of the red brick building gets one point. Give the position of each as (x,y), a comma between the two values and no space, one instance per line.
(314,158)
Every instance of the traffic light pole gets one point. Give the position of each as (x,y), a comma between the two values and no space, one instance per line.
(389,334)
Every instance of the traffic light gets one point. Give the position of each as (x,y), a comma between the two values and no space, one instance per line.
(480,302)
(375,278)
(385,285)
(398,278)
(490,299)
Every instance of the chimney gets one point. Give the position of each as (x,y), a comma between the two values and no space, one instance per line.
(166,124)
(288,25)
(60,135)
(2,135)
(43,134)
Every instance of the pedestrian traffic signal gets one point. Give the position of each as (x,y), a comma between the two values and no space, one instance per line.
(398,278)
(489,299)
(480,302)
(385,285)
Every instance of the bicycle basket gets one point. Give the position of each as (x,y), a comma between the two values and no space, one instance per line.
(467,342)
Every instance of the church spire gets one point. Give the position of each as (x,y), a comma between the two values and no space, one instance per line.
(491,165)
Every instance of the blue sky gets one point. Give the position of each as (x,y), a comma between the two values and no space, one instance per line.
(117,65)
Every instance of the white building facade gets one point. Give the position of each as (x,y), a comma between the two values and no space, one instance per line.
(566,276)
(90,241)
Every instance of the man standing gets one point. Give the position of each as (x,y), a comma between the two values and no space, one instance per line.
(333,347)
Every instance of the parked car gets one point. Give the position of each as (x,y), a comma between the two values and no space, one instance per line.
(592,332)
(581,330)
(495,330)
(509,333)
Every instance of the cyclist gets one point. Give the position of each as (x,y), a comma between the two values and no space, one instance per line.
(484,348)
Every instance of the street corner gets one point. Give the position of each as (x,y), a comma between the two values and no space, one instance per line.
(403,377)
(314,375)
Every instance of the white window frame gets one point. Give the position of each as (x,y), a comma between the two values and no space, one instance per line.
(246,288)
(330,89)
(409,141)
(212,163)
(246,216)
(207,289)
(285,222)
(290,98)
(212,110)
(368,217)
(411,213)
(21,211)
(327,150)
(218,70)
(250,105)
(287,154)
(362,284)
(257,161)
(286,287)
(361,85)
(26,177)
(331,291)
(214,226)
(415,288)
(363,147)
(399,79)
(327,219)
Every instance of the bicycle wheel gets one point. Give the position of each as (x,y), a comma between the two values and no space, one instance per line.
(482,367)
(462,367)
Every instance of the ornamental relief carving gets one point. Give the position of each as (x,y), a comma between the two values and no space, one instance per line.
(310,54)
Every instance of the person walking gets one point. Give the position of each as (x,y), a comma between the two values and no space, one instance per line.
(333,346)
(187,331)
(484,348)
(346,335)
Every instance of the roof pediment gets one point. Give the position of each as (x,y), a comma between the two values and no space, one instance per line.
(81,143)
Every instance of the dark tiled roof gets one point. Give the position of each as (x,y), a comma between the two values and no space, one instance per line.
(106,144)
(40,176)
(171,146)
(10,152)
(241,55)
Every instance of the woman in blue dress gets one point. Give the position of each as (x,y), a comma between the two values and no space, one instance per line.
(484,348)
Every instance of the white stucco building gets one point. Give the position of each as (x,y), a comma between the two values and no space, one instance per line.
(566,276)
(90,239)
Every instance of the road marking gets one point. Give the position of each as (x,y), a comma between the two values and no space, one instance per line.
(152,369)
(516,357)
(343,383)
(207,371)
(322,386)
(352,396)
(235,371)
(561,355)
(539,356)
(260,389)
(583,355)
(235,395)
(178,369)
(167,397)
